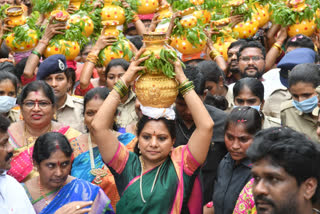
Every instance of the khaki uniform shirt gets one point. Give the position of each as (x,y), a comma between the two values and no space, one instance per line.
(126,113)
(14,114)
(229,97)
(270,122)
(272,105)
(71,113)
(299,121)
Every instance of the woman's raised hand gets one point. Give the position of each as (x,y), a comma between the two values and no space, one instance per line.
(180,76)
(76,207)
(53,29)
(132,72)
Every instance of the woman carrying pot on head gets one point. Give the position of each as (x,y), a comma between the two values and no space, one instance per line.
(157,176)
(126,114)
(54,187)
(37,102)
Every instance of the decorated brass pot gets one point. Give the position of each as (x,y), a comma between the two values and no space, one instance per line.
(111,12)
(154,89)
(15,15)
(110,52)
(147,6)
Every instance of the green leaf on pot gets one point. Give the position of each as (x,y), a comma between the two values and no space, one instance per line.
(161,63)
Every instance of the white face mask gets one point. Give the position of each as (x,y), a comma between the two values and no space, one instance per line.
(7,103)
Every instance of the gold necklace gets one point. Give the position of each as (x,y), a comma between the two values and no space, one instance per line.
(47,201)
(31,139)
(100,172)
(154,181)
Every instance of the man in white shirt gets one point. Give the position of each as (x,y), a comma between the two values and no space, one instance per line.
(13,198)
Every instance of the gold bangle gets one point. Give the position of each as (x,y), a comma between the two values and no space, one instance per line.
(277,46)
(214,53)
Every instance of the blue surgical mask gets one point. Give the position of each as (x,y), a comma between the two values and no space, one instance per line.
(306,106)
(7,103)
(130,37)
(255,107)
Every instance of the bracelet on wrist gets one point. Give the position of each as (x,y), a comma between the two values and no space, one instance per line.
(35,52)
(121,88)
(277,46)
(93,58)
(186,87)
(213,54)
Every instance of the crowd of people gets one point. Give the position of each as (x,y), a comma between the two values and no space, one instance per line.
(241,137)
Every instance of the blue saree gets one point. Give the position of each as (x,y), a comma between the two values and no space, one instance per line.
(76,190)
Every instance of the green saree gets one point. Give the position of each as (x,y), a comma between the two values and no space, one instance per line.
(173,183)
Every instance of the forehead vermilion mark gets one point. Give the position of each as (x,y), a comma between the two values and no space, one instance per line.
(36,92)
(59,163)
(95,97)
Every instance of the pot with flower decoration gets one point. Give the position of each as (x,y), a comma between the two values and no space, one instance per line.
(261,13)
(69,43)
(47,6)
(203,15)
(223,40)
(156,87)
(197,2)
(120,49)
(81,19)
(164,17)
(297,15)
(24,37)
(76,3)
(188,37)
(248,27)
(15,16)
(147,6)
(112,12)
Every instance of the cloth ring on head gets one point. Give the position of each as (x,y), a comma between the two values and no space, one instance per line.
(78,207)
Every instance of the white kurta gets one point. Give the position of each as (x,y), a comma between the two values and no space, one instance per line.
(13,198)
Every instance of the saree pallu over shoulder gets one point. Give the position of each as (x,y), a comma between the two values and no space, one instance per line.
(79,190)
(81,169)
(184,162)
(22,164)
(245,203)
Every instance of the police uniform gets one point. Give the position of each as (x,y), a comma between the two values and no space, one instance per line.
(126,113)
(299,121)
(71,113)
(229,98)
(14,114)
(272,105)
(269,122)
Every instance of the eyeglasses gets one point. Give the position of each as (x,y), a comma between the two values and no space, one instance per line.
(41,104)
(254,58)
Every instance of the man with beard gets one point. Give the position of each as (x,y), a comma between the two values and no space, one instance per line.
(251,58)
(233,73)
(13,198)
(286,172)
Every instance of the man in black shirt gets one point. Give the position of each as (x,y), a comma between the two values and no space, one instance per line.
(185,127)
